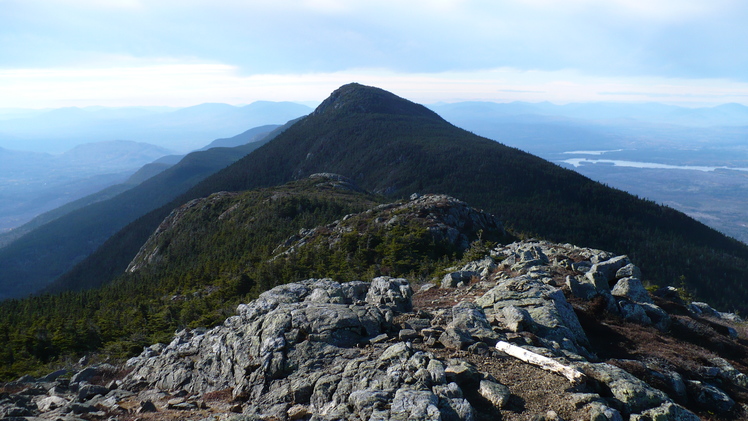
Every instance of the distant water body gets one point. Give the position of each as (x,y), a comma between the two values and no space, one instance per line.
(591,152)
(577,162)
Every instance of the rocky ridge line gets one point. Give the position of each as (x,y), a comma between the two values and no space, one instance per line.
(322,350)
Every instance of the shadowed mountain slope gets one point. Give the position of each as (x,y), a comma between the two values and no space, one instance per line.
(34,260)
(392,146)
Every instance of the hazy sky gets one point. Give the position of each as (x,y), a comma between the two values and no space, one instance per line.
(183,52)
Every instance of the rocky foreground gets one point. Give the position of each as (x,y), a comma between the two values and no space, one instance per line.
(532,330)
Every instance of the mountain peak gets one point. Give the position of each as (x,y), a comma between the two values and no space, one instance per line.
(357,98)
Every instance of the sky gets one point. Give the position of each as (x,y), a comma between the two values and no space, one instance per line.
(58,53)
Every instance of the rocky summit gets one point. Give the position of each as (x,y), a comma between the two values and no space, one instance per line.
(530,330)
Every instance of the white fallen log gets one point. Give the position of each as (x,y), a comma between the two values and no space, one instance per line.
(572,374)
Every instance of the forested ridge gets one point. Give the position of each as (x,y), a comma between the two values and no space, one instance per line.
(214,254)
(388,146)
(394,147)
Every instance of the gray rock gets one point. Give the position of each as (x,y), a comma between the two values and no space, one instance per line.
(183,406)
(400,350)
(51,403)
(147,406)
(88,391)
(437,372)
(668,411)
(659,317)
(459,278)
(633,312)
(293,345)
(455,338)
(470,317)
(700,308)
(482,268)
(729,373)
(26,378)
(16,411)
(633,289)
(732,317)
(710,397)
(517,319)
(631,394)
(601,274)
(90,372)
(415,405)
(581,288)
(580,400)
(456,409)
(463,373)
(418,324)
(581,267)
(427,287)
(629,271)
(494,392)
(393,293)
(82,408)
(51,377)
(600,412)
(480,348)
(448,391)
(678,386)
(408,334)
(552,314)
(297,412)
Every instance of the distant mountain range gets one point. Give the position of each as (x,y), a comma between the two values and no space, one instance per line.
(54,242)
(251,135)
(51,157)
(32,182)
(721,115)
(181,130)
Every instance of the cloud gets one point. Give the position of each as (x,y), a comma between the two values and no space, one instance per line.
(183,84)
(613,37)
(666,39)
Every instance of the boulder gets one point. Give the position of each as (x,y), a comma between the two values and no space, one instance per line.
(677,386)
(629,271)
(463,373)
(51,377)
(703,309)
(633,289)
(494,392)
(659,317)
(581,287)
(392,293)
(470,317)
(51,403)
(601,274)
(458,278)
(421,405)
(668,411)
(600,412)
(90,372)
(729,373)
(517,319)
(550,312)
(88,391)
(710,397)
(633,312)
(482,268)
(630,394)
